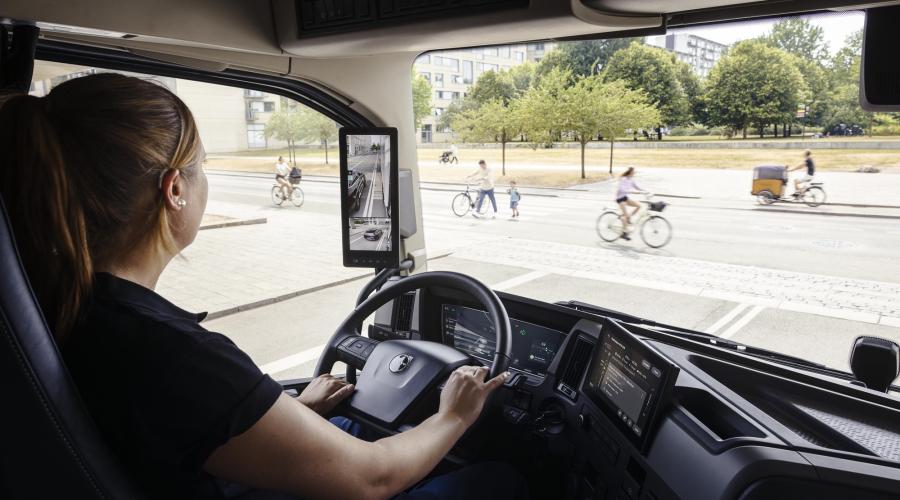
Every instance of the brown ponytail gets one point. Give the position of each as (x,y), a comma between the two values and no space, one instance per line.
(79,173)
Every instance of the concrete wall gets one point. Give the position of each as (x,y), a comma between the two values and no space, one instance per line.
(673,144)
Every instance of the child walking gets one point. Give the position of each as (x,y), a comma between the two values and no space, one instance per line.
(514,198)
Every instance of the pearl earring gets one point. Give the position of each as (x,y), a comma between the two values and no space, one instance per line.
(181,203)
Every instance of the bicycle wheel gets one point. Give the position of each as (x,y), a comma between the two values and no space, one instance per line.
(297,196)
(609,226)
(277,196)
(656,231)
(461,204)
(765,197)
(814,196)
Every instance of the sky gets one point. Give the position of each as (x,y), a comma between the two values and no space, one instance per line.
(836,26)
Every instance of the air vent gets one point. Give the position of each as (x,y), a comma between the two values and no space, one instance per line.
(403,312)
(578,359)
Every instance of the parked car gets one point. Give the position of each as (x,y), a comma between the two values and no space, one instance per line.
(373,234)
(356,187)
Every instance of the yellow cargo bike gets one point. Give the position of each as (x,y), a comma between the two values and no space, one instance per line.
(769,183)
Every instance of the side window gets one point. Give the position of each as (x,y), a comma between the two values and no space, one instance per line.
(261,267)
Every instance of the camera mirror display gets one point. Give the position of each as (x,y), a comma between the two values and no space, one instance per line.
(369,197)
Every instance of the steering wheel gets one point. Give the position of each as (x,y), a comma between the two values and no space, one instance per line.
(397,375)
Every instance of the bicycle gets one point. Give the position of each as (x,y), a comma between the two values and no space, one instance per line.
(655,230)
(296,196)
(463,203)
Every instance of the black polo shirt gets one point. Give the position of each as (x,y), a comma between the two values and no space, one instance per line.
(164,391)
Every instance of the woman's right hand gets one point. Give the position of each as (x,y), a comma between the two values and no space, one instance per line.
(464,393)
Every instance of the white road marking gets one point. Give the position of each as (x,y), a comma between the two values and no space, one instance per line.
(518,280)
(293,360)
(741,322)
(724,320)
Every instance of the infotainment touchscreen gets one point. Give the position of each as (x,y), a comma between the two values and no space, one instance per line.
(471,331)
(629,381)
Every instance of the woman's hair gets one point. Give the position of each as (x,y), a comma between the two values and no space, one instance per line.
(280,159)
(628,172)
(80,174)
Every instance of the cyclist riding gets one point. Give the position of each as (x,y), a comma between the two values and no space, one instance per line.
(282,170)
(628,186)
(802,182)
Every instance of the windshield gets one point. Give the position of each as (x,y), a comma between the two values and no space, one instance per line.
(760,201)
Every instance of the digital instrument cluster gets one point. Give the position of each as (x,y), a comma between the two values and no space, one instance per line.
(472,332)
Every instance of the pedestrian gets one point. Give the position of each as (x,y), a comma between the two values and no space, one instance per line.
(514,198)
(454,154)
(485,178)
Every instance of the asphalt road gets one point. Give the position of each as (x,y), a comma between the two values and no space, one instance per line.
(372,200)
(798,282)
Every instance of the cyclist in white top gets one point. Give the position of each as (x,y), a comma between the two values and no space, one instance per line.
(627,186)
(485,179)
(282,170)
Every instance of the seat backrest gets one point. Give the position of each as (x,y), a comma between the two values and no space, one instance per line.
(49,445)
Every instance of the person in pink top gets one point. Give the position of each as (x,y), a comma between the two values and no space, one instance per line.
(627,186)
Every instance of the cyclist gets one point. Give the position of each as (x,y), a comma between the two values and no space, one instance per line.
(800,183)
(627,186)
(485,178)
(282,170)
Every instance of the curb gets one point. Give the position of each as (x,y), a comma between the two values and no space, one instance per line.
(290,295)
(233,223)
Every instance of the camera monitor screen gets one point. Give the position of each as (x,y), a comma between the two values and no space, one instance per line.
(369,197)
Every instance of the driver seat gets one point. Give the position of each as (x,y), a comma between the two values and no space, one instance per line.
(49,445)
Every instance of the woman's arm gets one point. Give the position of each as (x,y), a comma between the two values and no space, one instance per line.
(292,449)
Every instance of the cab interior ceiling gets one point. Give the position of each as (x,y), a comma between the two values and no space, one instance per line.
(266,34)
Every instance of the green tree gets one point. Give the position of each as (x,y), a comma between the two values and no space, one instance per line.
(421,92)
(492,85)
(317,128)
(652,70)
(754,84)
(842,103)
(493,121)
(693,90)
(800,37)
(583,58)
(523,76)
(286,125)
(619,108)
(539,111)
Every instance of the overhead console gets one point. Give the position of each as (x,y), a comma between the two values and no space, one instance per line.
(317,17)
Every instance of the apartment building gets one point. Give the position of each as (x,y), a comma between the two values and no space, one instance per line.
(453,72)
(229,119)
(700,53)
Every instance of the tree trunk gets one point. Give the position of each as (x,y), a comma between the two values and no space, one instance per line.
(583,144)
(776,130)
(611,145)
(503,156)
(326,151)
(761,130)
(745,132)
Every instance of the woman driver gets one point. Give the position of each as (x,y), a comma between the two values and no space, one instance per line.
(104,186)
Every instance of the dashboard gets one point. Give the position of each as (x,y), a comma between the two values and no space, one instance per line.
(609,409)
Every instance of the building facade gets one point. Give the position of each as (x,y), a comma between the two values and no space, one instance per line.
(453,72)
(700,53)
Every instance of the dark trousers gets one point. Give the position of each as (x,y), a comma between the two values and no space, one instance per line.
(487,481)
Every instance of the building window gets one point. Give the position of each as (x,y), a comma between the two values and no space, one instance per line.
(504,52)
(426,75)
(491,51)
(536,46)
(253,93)
(520,56)
(467,72)
(457,78)
(424,59)
(439,80)
(268,106)
(491,67)
(438,111)
(446,94)
(256,135)
(451,63)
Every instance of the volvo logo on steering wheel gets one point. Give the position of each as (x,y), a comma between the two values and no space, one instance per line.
(400,362)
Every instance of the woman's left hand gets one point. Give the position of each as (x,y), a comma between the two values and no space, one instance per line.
(324,393)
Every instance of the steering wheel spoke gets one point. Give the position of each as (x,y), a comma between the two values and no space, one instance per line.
(355,350)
